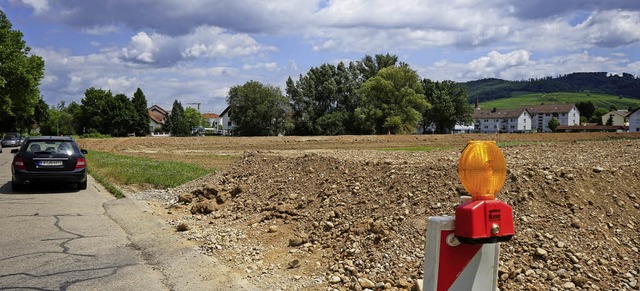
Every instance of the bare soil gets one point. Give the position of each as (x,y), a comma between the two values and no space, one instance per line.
(347,213)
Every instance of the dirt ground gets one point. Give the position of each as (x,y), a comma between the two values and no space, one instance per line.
(348,213)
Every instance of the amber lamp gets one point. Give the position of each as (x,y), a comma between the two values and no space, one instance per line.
(482,169)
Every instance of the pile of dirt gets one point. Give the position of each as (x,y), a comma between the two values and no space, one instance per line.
(356,219)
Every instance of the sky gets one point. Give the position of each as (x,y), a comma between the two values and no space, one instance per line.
(194,51)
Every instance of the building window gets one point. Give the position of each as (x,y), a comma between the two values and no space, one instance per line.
(229,123)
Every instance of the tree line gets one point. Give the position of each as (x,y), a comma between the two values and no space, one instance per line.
(375,95)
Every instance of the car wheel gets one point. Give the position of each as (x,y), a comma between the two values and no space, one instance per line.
(82,185)
(15,187)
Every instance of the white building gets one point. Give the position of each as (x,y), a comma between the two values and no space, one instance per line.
(502,120)
(228,126)
(566,114)
(618,117)
(634,121)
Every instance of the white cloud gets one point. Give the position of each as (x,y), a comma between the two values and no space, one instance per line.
(38,6)
(519,65)
(611,28)
(203,42)
(262,66)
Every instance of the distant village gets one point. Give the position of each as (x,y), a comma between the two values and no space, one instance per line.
(525,119)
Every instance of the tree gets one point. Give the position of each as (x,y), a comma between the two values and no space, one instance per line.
(597,115)
(193,117)
(96,111)
(586,108)
(610,120)
(369,66)
(258,109)
(141,120)
(20,75)
(391,102)
(121,116)
(178,125)
(553,124)
(449,106)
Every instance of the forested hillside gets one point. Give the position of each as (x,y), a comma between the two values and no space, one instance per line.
(626,85)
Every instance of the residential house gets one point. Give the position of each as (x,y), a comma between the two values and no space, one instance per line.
(212,120)
(228,126)
(158,117)
(502,120)
(566,114)
(618,117)
(634,121)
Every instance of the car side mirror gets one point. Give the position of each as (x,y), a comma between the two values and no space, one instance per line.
(14,151)
(84,151)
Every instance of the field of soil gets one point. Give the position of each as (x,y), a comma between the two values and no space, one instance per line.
(349,213)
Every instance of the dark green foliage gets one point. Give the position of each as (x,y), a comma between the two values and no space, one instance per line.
(258,110)
(597,115)
(449,106)
(553,124)
(586,108)
(20,75)
(141,119)
(326,100)
(177,123)
(610,120)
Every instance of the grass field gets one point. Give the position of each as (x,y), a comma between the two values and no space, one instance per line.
(122,170)
(521,99)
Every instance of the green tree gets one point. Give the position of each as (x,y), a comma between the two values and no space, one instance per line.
(391,102)
(586,108)
(141,121)
(258,109)
(597,115)
(449,106)
(610,120)
(20,75)
(369,66)
(553,124)
(96,112)
(193,117)
(121,116)
(178,125)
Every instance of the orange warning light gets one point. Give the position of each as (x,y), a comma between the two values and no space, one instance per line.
(482,169)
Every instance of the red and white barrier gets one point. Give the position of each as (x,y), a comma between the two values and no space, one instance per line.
(451,265)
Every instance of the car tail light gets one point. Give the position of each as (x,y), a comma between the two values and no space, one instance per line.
(81,163)
(18,163)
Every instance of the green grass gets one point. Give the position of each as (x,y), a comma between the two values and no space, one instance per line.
(522,99)
(127,170)
(414,149)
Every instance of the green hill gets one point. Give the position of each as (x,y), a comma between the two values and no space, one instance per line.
(522,99)
(625,85)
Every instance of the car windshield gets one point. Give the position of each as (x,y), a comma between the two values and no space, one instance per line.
(59,147)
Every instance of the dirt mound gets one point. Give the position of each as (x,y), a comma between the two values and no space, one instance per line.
(356,219)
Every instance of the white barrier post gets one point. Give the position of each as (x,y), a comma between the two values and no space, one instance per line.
(451,265)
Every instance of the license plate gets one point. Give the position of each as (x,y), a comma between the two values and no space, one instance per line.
(49,163)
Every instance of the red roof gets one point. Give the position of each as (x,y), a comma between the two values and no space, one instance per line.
(210,115)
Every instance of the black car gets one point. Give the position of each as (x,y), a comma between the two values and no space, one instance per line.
(48,159)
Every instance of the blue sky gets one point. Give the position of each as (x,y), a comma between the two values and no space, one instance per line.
(193,51)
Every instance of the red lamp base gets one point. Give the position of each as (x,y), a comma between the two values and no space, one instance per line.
(484,221)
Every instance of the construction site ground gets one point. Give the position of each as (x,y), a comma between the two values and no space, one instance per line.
(350,212)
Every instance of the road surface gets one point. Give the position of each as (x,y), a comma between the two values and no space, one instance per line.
(59,238)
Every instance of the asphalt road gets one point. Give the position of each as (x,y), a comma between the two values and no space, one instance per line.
(59,238)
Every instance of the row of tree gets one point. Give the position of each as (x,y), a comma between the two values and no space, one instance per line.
(376,95)
(102,113)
